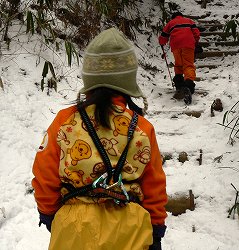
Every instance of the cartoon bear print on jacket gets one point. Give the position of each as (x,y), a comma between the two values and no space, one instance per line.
(79,151)
(143,155)
(121,123)
(129,169)
(80,161)
(75,177)
(61,136)
(111,149)
(98,170)
(109,146)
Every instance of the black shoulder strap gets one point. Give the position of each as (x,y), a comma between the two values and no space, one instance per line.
(101,149)
(122,158)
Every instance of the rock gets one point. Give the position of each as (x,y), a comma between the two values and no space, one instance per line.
(183,156)
(217,106)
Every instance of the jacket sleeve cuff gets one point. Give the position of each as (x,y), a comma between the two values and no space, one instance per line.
(159,231)
(46,220)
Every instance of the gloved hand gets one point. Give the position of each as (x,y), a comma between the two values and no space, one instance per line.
(46,220)
(158,233)
(163,56)
(198,48)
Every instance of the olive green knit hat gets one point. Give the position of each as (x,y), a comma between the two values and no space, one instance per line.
(110,61)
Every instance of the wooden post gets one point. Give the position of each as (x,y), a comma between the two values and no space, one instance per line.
(1,84)
(204,4)
(200,157)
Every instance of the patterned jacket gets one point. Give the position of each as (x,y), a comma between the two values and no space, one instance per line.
(182,32)
(68,154)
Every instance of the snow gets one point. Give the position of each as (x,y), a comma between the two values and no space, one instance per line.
(26,112)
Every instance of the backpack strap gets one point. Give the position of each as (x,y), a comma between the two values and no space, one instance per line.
(111,172)
(121,162)
(97,143)
(103,190)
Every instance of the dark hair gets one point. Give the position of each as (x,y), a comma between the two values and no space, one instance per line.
(175,14)
(102,98)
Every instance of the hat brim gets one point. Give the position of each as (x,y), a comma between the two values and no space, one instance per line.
(117,82)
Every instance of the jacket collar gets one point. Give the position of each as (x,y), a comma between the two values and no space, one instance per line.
(119,101)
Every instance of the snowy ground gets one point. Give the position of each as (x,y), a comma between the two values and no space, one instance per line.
(26,112)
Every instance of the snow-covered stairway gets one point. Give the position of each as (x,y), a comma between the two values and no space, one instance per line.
(202,182)
(180,122)
(214,41)
(217,45)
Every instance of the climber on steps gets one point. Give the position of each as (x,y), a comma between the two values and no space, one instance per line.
(184,36)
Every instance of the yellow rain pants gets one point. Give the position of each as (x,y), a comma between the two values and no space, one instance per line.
(103,226)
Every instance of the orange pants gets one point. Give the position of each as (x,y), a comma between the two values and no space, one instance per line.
(184,63)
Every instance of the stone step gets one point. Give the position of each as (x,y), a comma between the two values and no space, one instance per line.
(210,28)
(209,66)
(199,78)
(200,2)
(222,43)
(194,113)
(202,78)
(215,33)
(205,44)
(209,25)
(208,22)
(198,17)
(216,54)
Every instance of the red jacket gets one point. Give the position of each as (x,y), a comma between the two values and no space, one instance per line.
(182,32)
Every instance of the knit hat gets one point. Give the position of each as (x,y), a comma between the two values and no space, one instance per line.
(175,14)
(110,61)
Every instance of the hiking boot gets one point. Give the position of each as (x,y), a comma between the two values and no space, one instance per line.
(178,81)
(188,83)
(187,95)
(179,94)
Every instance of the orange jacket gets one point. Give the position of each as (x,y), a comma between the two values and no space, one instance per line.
(67,154)
(182,32)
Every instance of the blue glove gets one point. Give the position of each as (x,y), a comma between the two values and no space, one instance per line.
(46,220)
(158,233)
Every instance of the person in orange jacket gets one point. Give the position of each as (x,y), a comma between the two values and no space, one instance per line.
(184,36)
(98,177)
